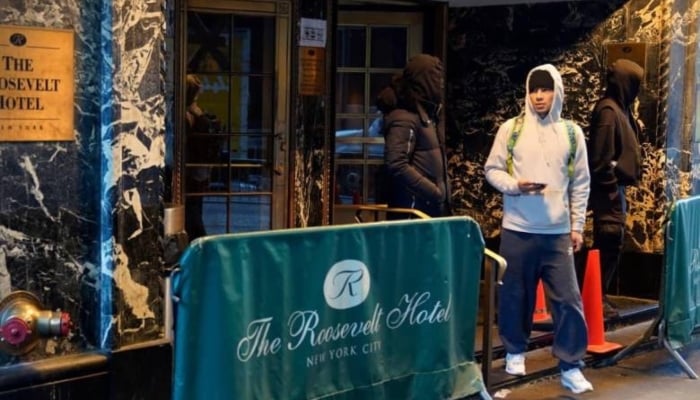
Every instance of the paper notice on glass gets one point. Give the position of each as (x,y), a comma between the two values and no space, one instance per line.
(312,71)
(313,32)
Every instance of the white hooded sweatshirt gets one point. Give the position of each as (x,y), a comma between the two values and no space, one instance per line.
(541,154)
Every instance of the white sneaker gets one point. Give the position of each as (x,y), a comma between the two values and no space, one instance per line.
(574,380)
(515,364)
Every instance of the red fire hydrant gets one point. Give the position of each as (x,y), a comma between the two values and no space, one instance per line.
(23,322)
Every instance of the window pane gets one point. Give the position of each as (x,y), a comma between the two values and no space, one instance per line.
(351,47)
(373,181)
(347,137)
(348,182)
(390,45)
(375,127)
(350,92)
(251,108)
(214,214)
(240,178)
(348,127)
(377,82)
(250,148)
(237,213)
(249,213)
(249,52)
(375,151)
(213,98)
(208,42)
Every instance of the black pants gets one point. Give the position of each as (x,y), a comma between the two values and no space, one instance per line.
(608,239)
(609,217)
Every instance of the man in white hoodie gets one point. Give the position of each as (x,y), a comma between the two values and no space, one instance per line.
(539,162)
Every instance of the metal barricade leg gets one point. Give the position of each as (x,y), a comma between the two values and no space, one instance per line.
(687,368)
(495,266)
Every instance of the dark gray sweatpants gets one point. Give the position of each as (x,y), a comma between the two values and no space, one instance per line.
(532,257)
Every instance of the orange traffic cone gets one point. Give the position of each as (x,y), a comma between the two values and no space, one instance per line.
(593,306)
(540,314)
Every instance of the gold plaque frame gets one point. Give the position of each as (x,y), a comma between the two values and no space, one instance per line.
(36,84)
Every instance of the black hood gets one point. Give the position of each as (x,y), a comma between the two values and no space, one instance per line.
(420,82)
(624,79)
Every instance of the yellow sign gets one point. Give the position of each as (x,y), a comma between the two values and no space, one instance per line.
(36,84)
(312,71)
(636,52)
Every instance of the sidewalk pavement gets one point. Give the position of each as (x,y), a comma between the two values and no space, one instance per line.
(650,372)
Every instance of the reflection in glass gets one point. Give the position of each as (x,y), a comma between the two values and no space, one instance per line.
(391,47)
(230,43)
(348,182)
(251,50)
(249,213)
(208,36)
(234,57)
(351,46)
(375,151)
(375,180)
(254,110)
(231,214)
(348,134)
(350,90)
(377,82)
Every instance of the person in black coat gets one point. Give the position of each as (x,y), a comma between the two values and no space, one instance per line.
(615,162)
(197,125)
(414,150)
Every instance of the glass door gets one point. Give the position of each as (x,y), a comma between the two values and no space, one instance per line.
(371,48)
(235,102)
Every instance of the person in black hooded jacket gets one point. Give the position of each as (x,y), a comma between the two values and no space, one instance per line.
(615,162)
(414,150)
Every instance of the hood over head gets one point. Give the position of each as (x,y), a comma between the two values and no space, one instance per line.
(624,79)
(540,79)
(421,81)
(536,75)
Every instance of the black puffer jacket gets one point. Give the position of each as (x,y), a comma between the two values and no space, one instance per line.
(414,151)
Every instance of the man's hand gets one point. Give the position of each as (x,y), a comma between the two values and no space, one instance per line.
(576,240)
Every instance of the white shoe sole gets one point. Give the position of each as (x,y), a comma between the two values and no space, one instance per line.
(579,391)
(515,373)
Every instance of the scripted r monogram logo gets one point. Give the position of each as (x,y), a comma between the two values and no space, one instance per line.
(346,285)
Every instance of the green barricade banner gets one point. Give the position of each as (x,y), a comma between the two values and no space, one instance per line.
(682,272)
(366,311)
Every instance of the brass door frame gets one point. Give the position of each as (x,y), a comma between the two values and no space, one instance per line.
(281,11)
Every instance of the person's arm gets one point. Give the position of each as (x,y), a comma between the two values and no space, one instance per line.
(400,142)
(197,120)
(602,151)
(579,187)
(495,169)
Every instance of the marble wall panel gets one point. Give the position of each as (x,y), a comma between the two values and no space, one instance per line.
(311,165)
(489,54)
(134,129)
(80,221)
(49,192)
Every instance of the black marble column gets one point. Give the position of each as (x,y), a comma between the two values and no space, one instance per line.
(311,148)
(80,221)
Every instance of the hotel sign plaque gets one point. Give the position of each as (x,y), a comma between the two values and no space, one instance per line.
(36,84)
